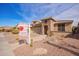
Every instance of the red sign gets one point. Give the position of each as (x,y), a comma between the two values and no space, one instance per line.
(21,28)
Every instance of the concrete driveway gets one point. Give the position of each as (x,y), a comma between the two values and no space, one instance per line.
(5,48)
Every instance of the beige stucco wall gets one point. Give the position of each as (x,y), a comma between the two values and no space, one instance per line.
(51,25)
(55,27)
(37,29)
(68,27)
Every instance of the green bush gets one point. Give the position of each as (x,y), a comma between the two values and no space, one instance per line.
(15,30)
(31,44)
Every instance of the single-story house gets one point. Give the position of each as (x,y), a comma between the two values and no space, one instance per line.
(49,25)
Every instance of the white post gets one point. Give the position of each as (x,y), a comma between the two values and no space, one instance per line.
(29,35)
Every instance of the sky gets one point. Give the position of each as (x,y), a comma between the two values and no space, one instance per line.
(14,13)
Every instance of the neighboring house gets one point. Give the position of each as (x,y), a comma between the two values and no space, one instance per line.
(49,25)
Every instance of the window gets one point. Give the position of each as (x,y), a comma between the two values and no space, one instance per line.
(61,27)
(45,21)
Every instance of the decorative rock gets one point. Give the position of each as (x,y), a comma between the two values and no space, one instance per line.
(40,51)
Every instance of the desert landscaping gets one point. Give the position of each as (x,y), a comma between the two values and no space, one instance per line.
(44,42)
(42,45)
(50,46)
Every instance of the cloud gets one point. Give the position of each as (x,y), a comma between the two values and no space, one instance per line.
(43,10)
(71,13)
(37,11)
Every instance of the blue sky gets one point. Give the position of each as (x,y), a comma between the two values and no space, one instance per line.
(12,14)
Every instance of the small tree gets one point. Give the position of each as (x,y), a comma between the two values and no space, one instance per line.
(74,30)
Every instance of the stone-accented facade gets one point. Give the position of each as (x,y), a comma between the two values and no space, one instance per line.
(49,26)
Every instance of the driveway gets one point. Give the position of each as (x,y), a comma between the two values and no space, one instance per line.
(5,48)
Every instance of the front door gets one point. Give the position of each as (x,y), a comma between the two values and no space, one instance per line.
(45,29)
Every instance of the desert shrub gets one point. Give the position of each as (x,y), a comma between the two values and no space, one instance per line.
(15,30)
(8,30)
(2,30)
(31,44)
(74,30)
